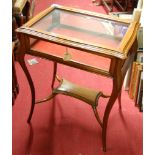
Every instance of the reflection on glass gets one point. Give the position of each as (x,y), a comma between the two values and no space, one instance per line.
(86,28)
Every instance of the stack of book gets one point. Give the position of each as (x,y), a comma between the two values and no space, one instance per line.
(136,81)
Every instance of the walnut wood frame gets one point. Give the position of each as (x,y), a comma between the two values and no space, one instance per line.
(120,57)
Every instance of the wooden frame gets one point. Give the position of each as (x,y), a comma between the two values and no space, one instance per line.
(120,59)
(100,49)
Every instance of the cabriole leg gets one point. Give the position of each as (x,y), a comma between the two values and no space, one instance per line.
(28,76)
(54,73)
(116,93)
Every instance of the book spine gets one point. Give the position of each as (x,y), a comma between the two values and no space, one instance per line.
(131,80)
(140,91)
(139,88)
(139,57)
(126,83)
(141,98)
(141,105)
(137,82)
(133,74)
(140,38)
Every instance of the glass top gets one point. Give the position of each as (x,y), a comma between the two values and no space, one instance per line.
(82,27)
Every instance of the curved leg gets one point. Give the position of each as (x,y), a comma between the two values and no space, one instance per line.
(117,83)
(52,85)
(126,5)
(28,76)
(97,3)
(112,6)
(45,99)
(119,100)
(54,73)
(97,116)
(30,139)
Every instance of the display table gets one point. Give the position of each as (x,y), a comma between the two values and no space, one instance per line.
(92,35)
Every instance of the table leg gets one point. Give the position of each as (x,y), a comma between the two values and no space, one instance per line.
(52,85)
(54,73)
(106,4)
(116,91)
(15,87)
(28,76)
(119,100)
(97,2)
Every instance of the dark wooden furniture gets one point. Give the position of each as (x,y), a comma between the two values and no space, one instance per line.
(23,8)
(109,4)
(22,11)
(122,5)
(15,87)
(107,38)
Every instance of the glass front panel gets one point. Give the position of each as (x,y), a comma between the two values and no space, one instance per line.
(89,29)
(73,55)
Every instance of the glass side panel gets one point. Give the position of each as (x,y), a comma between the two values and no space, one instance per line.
(89,29)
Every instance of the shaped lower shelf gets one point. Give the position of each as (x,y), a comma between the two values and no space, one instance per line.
(87,95)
